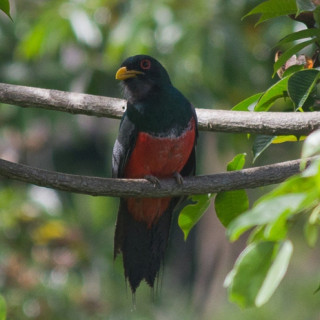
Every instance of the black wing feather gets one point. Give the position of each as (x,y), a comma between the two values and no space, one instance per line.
(123,146)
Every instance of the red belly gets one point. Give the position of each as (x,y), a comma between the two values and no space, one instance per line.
(159,157)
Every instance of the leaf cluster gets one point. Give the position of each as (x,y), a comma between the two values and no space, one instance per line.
(5,7)
(262,265)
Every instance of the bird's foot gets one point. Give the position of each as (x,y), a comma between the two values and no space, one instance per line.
(154,180)
(178,177)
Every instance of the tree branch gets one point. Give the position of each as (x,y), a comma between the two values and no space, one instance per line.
(270,123)
(242,179)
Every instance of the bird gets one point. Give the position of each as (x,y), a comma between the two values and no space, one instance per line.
(156,139)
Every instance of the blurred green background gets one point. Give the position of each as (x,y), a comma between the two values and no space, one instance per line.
(56,249)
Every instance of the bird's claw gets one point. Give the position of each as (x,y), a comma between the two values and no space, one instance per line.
(154,180)
(178,177)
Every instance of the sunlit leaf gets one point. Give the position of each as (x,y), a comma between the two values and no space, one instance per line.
(237,162)
(311,228)
(276,230)
(301,84)
(311,145)
(273,8)
(275,273)
(285,56)
(192,213)
(311,232)
(291,138)
(261,143)
(265,212)
(278,90)
(257,234)
(296,184)
(5,7)
(248,104)
(302,34)
(249,272)
(258,272)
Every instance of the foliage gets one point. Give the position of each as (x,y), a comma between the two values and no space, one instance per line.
(60,245)
(257,272)
(230,204)
(5,7)
(273,8)
(271,216)
(262,265)
(191,214)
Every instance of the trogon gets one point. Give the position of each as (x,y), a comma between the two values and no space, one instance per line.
(157,139)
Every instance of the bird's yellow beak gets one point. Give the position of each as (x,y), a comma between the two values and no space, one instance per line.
(123,73)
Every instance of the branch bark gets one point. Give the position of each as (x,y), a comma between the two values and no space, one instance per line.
(242,179)
(270,123)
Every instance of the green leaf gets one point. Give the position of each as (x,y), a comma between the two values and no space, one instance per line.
(294,184)
(261,143)
(3,308)
(311,228)
(247,276)
(267,211)
(230,204)
(248,104)
(307,33)
(237,162)
(276,230)
(292,69)
(311,232)
(258,272)
(275,273)
(290,138)
(278,90)
(301,84)
(5,7)
(316,15)
(192,213)
(305,5)
(273,8)
(311,145)
(257,234)
(285,56)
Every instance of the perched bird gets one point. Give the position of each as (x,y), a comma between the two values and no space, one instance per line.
(156,139)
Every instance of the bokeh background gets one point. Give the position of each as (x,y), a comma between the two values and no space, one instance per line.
(56,249)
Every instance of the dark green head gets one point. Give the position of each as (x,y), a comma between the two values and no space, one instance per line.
(141,75)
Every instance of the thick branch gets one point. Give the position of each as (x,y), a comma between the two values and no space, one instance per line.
(271,123)
(247,178)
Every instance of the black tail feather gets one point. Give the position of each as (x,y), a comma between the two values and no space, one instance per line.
(143,248)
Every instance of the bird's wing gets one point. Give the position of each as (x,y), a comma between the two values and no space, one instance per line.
(123,147)
(190,167)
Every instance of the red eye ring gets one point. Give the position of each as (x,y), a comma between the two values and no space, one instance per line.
(145,64)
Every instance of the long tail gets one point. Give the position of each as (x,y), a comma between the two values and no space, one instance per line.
(143,247)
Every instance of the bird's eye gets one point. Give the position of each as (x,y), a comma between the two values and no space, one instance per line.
(145,64)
